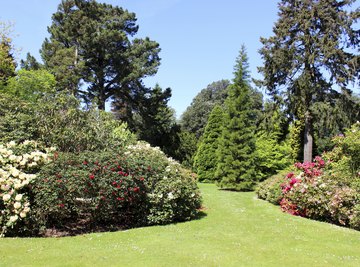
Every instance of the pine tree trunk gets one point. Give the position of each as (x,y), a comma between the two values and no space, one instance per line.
(308,138)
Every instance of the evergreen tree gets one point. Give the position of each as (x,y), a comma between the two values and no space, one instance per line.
(332,118)
(30,63)
(155,118)
(7,61)
(94,44)
(312,50)
(205,161)
(236,153)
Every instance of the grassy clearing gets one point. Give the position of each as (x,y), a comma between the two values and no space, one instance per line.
(238,230)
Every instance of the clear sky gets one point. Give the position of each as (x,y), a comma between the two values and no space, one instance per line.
(199,39)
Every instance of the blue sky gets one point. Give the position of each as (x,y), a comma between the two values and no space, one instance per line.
(199,39)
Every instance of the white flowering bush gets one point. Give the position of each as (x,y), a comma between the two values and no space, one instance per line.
(172,191)
(18,165)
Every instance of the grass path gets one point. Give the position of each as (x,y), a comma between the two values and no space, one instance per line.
(239,230)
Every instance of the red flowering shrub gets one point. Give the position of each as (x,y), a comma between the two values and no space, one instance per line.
(90,187)
(137,187)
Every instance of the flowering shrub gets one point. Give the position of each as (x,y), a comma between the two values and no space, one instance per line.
(94,188)
(140,186)
(172,191)
(304,194)
(313,194)
(18,165)
(270,189)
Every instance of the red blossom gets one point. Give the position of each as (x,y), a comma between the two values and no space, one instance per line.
(61,205)
(136,189)
(85,162)
(91,176)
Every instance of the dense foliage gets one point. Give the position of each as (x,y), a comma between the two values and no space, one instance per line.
(313,48)
(272,147)
(236,153)
(327,190)
(93,43)
(7,60)
(205,162)
(30,85)
(57,120)
(138,186)
(195,117)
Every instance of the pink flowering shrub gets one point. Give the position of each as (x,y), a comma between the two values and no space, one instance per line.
(315,195)
(327,189)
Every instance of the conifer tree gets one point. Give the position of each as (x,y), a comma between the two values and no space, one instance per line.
(7,61)
(315,46)
(94,45)
(205,161)
(236,153)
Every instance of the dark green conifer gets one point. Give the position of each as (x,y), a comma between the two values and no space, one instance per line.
(314,47)
(236,153)
(205,161)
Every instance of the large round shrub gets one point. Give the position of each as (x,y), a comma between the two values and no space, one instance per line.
(139,186)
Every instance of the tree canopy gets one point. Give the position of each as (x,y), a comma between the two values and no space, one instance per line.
(93,53)
(7,60)
(313,48)
(195,117)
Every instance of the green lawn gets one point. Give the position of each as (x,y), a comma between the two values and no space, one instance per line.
(238,230)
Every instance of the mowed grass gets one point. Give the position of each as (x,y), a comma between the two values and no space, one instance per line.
(238,230)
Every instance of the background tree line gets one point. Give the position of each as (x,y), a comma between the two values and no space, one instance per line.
(309,63)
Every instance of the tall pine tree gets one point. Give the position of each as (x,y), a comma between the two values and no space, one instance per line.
(313,48)
(94,44)
(205,161)
(236,153)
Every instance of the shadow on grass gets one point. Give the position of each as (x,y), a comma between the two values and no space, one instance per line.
(201,214)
